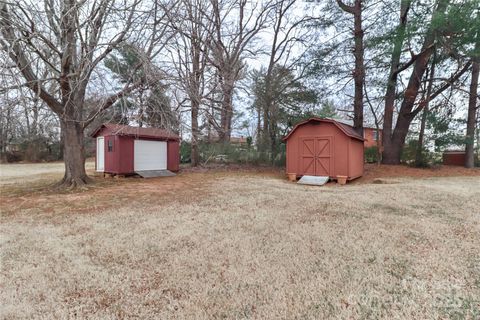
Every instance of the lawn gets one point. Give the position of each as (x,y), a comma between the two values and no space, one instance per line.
(241,244)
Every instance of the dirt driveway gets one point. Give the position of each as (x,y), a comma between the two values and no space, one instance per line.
(242,244)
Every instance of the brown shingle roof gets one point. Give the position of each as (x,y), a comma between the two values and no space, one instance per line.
(124,130)
(348,130)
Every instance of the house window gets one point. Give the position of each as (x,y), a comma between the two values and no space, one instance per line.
(375,135)
(110,145)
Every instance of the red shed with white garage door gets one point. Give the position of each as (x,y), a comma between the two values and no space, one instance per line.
(122,149)
(324,147)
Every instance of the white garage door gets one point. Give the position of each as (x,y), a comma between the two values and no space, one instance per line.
(150,155)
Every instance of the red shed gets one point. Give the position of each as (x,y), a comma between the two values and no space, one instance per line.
(324,147)
(454,158)
(122,149)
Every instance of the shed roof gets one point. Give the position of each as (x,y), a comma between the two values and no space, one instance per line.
(345,128)
(124,130)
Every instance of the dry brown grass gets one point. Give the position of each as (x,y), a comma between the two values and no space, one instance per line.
(19,174)
(244,245)
(374,171)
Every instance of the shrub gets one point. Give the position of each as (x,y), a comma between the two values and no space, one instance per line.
(185,152)
(226,152)
(281,158)
(409,155)
(41,149)
(232,153)
(13,156)
(371,155)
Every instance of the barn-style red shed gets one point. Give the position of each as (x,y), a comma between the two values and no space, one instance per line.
(324,147)
(122,149)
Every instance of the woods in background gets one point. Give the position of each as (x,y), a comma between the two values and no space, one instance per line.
(210,70)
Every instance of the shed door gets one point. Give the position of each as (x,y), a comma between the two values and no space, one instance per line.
(315,156)
(100,154)
(149,155)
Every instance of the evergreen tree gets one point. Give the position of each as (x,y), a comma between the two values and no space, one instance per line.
(150,105)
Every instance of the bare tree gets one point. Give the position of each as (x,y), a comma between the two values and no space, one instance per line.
(189,54)
(288,35)
(69,39)
(235,26)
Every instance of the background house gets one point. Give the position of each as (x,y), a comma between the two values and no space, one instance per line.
(371,137)
(370,134)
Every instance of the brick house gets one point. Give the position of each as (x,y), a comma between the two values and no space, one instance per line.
(371,136)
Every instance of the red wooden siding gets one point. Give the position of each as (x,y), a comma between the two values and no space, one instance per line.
(111,157)
(454,158)
(173,156)
(125,160)
(323,148)
(120,160)
(356,159)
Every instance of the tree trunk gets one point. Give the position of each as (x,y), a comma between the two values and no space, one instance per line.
(35,135)
(359,73)
(194,154)
(472,110)
(259,126)
(419,157)
(73,154)
(4,131)
(478,136)
(272,135)
(392,83)
(273,148)
(209,123)
(265,133)
(406,116)
(391,155)
(393,146)
(227,112)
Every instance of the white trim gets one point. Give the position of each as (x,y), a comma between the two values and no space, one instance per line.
(100,154)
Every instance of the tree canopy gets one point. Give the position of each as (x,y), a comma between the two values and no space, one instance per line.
(211,69)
